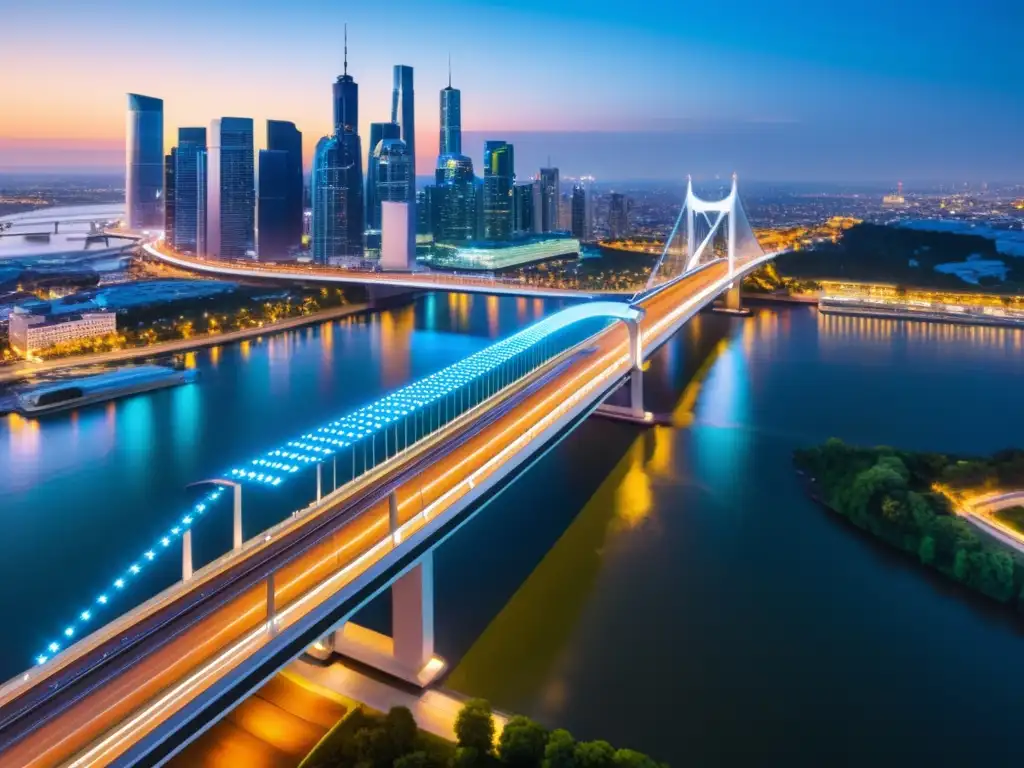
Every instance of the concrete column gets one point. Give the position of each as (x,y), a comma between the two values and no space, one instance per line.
(393,516)
(412,615)
(186,555)
(237,493)
(319,482)
(636,373)
(733,301)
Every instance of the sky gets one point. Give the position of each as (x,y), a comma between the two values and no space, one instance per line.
(786,90)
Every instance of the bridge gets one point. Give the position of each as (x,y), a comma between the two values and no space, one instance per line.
(415,466)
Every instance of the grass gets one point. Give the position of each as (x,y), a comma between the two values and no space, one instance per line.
(1011,516)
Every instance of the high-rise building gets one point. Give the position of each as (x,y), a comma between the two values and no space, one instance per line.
(169,194)
(230,190)
(403,113)
(499,181)
(378,132)
(398,235)
(272,205)
(549,200)
(144,163)
(393,170)
(456,188)
(346,99)
(189,191)
(451,118)
(582,225)
(523,206)
(337,195)
(283,136)
(618,215)
(201,192)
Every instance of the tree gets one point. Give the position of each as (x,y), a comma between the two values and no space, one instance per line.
(926,552)
(418,759)
(595,754)
(465,757)
(560,751)
(401,729)
(474,726)
(522,743)
(960,565)
(629,758)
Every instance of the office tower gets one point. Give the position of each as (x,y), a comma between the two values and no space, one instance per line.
(456,187)
(346,99)
(537,206)
(523,205)
(169,194)
(398,235)
(451,118)
(273,206)
(582,225)
(144,163)
(393,170)
(201,190)
(499,181)
(336,190)
(402,113)
(230,190)
(378,132)
(618,215)
(549,200)
(189,190)
(283,136)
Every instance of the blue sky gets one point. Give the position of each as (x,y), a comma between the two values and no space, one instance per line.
(787,90)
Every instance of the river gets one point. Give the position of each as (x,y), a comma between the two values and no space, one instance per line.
(670,590)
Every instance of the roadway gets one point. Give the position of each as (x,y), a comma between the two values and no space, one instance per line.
(112,691)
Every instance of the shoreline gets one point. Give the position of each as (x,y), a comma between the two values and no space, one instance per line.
(18,371)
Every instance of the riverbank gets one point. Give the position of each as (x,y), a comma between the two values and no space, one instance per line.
(17,371)
(914,502)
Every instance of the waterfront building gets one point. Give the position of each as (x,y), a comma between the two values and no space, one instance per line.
(451,118)
(394,168)
(189,194)
(273,233)
(582,225)
(457,204)
(283,136)
(378,132)
(491,255)
(336,190)
(398,235)
(230,190)
(549,200)
(523,207)
(169,193)
(498,185)
(403,114)
(619,207)
(29,332)
(144,163)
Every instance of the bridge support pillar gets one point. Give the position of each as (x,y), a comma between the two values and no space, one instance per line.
(636,372)
(732,302)
(409,654)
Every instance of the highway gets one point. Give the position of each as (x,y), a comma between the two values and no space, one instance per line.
(113,689)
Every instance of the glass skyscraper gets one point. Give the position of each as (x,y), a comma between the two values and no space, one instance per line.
(230,190)
(523,207)
(403,113)
(549,200)
(346,99)
(393,170)
(282,136)
(144,163)
(456,188)
(273,205)
(499,182)
(336,187)
(451,119)
(618,215)
(581,213)
(169,193)
(378,133)
(189,190)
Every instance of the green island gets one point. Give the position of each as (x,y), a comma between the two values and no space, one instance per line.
(907,500)
(364,738)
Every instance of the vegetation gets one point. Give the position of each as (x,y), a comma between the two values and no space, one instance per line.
(907,500)
(766,279)
(370,740)
(1011,516)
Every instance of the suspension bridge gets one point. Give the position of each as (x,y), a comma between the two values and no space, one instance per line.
(414,467)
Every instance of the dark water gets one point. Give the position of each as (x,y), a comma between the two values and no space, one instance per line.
(83,495)
(677,593)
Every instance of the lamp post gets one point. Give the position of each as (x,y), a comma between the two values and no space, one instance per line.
(237,494)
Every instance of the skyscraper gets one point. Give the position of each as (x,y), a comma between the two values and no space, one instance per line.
(169,194)
(393,170)
(523,207)
(189,190)
(273,205)
(403,113)
(456,187)
(618,215)
(346,99)
(451,118)
(144,162)
(499,180)
(378,133)
(230,190)
(336,189)
(582,224)
(284,137)
(549,200)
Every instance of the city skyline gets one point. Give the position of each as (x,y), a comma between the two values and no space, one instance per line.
(869,99)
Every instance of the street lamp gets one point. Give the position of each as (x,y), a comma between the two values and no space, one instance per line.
(237,503)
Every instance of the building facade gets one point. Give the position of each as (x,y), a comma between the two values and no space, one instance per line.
(144,163)
(29,333)
(451,120)
(403,114)
(456,199)
(394,167)
(169,171)
(582,207)
(230,190)
(189,191)
(273,233)
(398,235)
(283,136)
(336,188)
(378,132)
(523,207)
(498,190)
(549,200)
(618,215)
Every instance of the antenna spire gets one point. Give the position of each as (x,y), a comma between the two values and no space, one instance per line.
(346,49)
(449,69)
